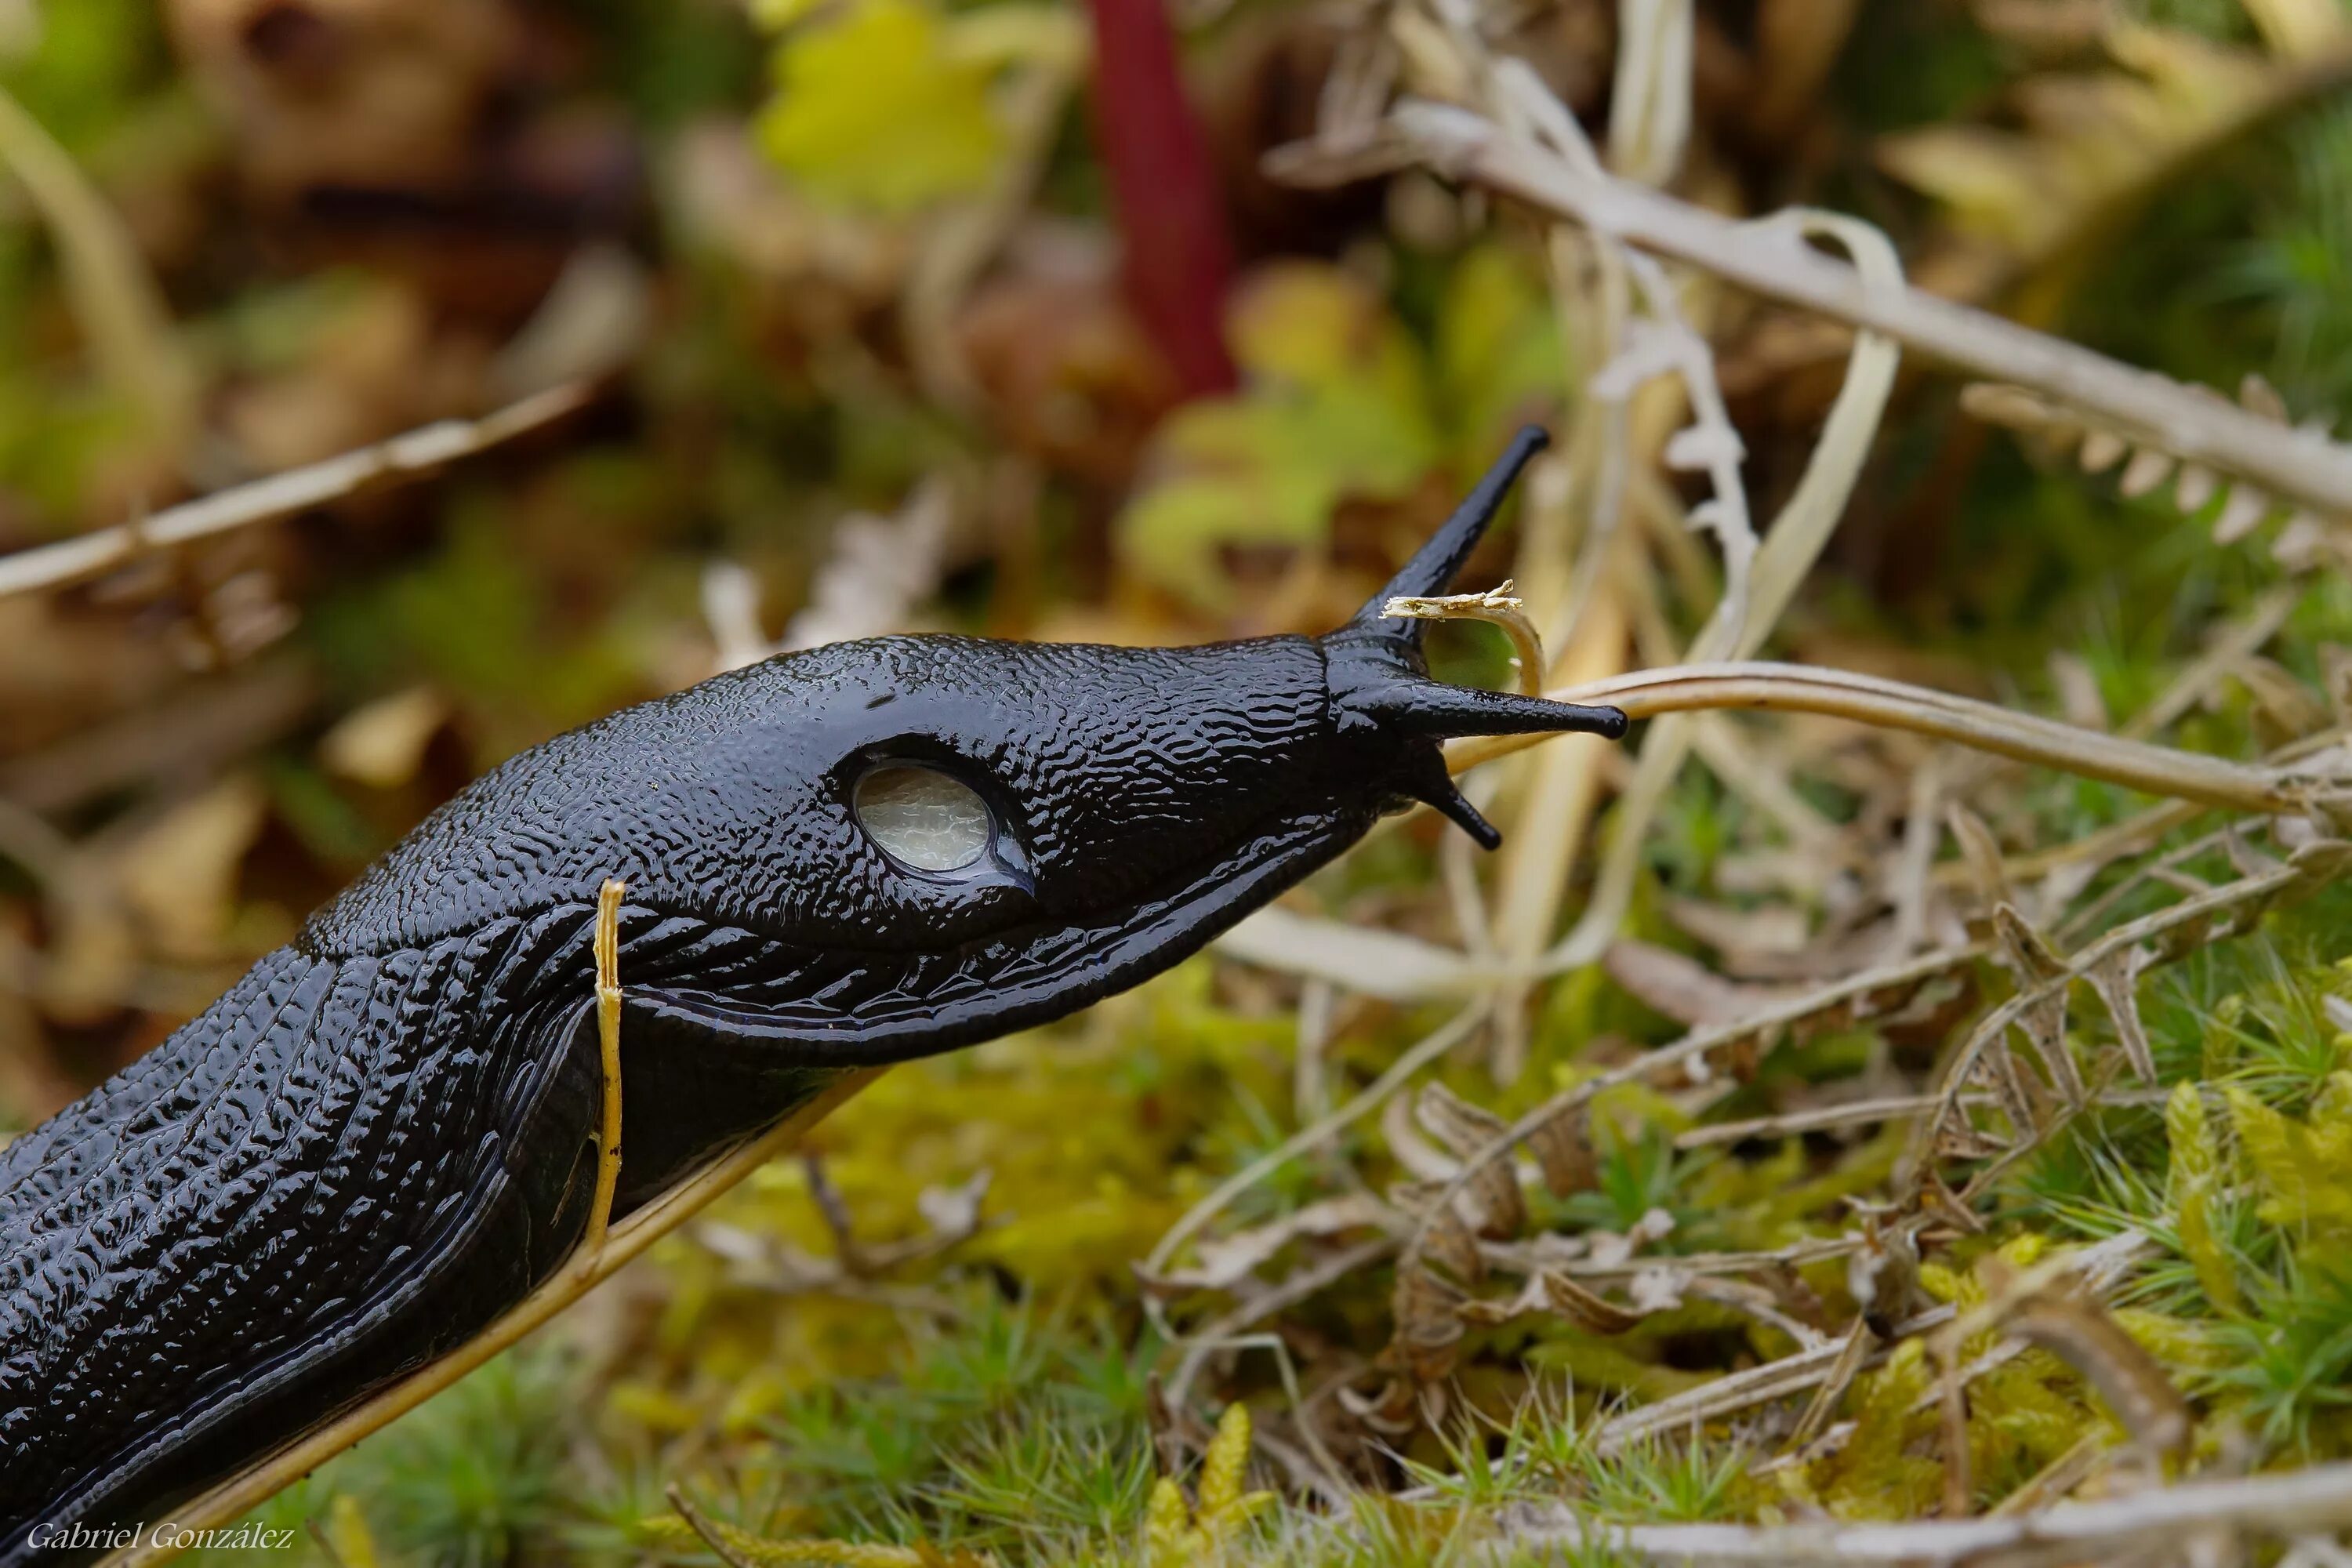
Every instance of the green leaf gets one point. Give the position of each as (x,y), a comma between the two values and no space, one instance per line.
(1499,355)
(1336,407)
(872,110)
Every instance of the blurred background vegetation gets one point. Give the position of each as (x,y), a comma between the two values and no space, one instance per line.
(911,314)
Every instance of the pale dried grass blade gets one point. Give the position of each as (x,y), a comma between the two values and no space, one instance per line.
(1870,700)
(1361,959)
(116,301)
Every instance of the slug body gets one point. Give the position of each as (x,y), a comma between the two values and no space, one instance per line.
(383,1136)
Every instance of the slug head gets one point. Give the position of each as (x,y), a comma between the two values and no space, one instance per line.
(883,848)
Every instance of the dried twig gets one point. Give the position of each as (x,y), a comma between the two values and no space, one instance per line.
(1744,1390)
(1861,1113)
(404,456)
(2300,466)
(608,1037)
(2097,1268)
(2299,1501)
(2309,777)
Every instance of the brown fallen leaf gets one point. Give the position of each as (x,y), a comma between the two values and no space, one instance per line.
(1562,1146)
(178,874)
(382,743)
(1552,1292)
(1493,1190)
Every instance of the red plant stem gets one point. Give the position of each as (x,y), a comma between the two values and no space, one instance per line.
(1179,256)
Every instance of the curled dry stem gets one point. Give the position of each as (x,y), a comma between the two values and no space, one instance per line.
(1759,583)
(1497,607)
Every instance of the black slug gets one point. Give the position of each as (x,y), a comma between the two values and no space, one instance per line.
(383,1136)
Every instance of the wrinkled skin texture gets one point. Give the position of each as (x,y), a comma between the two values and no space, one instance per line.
(382,1137)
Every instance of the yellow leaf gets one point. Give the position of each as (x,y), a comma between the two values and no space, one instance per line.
(1303,322)
(383,743)
(873,111)
(180,874)
(1498,349)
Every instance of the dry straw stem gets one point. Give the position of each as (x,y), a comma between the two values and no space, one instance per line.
(2302,468)
(2299,1503)
(1862,1113)
(404,455)
(240,1494)
(1650,110)
(1811,1368)
(2159,771)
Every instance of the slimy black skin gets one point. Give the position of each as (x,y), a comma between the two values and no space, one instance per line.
(382,1137)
